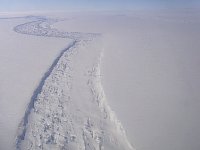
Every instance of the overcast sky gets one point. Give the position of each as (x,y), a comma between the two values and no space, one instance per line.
(24,5)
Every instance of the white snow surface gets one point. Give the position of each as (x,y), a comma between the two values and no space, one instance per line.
(68,109)
(150,73)
(145,64)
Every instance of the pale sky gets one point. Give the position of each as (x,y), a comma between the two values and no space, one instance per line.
(70,5)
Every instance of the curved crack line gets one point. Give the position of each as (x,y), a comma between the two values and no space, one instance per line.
(37,28)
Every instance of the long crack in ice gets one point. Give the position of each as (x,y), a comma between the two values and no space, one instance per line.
(56,118)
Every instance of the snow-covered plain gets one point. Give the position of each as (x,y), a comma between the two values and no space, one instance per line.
(68,109)
(151,74)
(147,62)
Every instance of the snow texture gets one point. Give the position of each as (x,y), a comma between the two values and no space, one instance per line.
(68,110)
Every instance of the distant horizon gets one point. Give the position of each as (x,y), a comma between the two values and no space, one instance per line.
(4,14)
(92,5)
